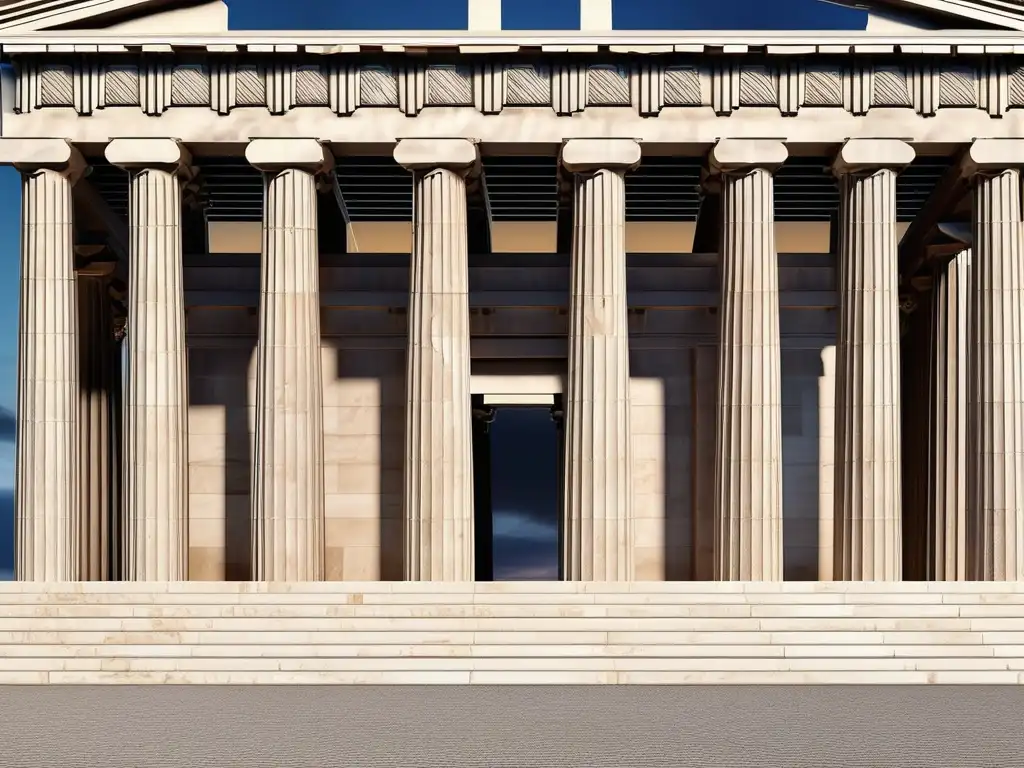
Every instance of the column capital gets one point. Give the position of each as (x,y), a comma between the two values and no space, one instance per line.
(427,154)
(589,155)
(28,155)
(737,155)
(858,155)
(992,156)
(272,155)
(136,154)
(97,269)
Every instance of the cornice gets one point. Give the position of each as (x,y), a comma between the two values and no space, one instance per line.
(330,43)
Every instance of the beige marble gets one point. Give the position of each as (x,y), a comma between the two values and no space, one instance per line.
(868,492)
(995,470)
(47,502)
(748,452)
(597,543)
(97,425)
(438,487)
(947,542)
(288,458)
(156,395)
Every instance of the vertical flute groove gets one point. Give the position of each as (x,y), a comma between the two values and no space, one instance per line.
(288,478)
(438,483)
(748,456)
(156,398)
(47,488)
(996,426)
(868,474)
(598,491)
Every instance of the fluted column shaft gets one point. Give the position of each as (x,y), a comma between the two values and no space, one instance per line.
(47,505)
(996,387)
(96,427)
(598,492)
(947,515)
(438,483)
(748,453)
(156,397)
(868,493)
(288,459)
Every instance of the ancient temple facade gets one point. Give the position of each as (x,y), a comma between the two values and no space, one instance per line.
(276,287)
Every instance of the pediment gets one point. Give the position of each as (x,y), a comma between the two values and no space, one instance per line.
(885,15)
(167,16)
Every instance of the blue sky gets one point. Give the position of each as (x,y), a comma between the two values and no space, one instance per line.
(413,14)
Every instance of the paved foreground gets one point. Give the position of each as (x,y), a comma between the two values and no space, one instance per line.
(511,726)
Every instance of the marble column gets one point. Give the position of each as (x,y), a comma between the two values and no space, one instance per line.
(97,348)
(868,544)
(947,514)
(748,452)
(597,542)
(438,487)
(995,469)
(288,459)
(47,506)
(156,396)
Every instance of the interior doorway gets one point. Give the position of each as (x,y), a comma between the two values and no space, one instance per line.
(517,476)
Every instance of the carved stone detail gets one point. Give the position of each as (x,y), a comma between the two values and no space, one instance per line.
(568,88)
(279,77)
(528,86)
(89,89)
(758,87)
(647,88)
(55,86)
(607,85)
(994,87)
(490,84)
(378,87)
(823,86)
(250,89)
(858,88)
(958,87)
(311,86)
(343,83)
(223,86)
(449,85)
(682,87)
(155,78)
(412,88)
(791,85)
(1016,87)
(889,88)
(923,82)
(121,86)
(725,87)
(190,86)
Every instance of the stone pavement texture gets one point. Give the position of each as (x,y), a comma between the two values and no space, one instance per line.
(512,726)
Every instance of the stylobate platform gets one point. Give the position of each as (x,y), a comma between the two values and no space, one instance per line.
(512,633)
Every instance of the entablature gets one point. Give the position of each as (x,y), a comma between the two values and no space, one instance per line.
(854,74)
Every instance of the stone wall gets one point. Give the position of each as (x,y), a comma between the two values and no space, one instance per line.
(674,386)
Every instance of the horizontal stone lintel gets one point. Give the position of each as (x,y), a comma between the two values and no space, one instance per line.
(157,82)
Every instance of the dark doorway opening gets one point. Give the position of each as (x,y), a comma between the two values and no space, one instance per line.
(517,476)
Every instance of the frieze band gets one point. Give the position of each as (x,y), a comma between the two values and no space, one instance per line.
(569,85)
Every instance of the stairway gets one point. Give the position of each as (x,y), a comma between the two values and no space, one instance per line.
(512,633)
